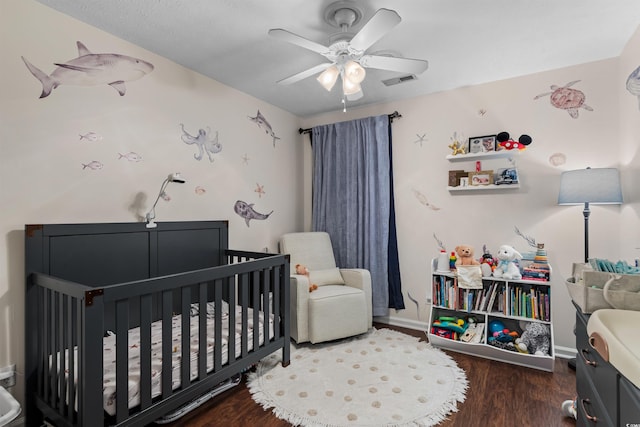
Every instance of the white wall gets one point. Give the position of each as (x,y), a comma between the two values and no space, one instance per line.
(593,139)
(630,151)
(42,180)
(41,175)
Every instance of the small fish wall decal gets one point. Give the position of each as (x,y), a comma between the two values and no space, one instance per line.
(246,211)
(633,84)
(93,165)
(263,124)
(204,141)
(90,137)
(200,190)
(130,156)
(567,99)
(91,69)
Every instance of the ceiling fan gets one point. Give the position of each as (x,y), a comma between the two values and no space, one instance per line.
(347,55)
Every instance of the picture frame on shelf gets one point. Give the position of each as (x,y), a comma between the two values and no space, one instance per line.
(482,144)
(454,177)
(481,178)
(506,176)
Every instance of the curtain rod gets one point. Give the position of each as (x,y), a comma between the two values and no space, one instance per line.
(394,115)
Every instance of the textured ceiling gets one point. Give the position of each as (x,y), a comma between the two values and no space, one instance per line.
(466,42)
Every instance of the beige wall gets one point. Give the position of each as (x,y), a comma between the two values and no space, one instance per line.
(42,180)
(41,174)
(603,137)
(630,151)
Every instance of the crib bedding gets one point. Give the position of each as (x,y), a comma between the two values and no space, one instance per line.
(109,352)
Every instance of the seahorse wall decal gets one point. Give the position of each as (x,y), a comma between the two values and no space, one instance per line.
(246,211)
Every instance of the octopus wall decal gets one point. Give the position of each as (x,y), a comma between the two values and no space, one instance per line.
(204,141)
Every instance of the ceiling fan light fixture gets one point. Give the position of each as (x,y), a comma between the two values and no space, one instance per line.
(350,87)
(354,71)
(329,77)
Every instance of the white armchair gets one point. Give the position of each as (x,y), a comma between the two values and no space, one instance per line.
(341,305)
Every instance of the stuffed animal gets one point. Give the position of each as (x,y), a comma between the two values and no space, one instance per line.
(304,271)
(536,339)
(507,267)
(465,255)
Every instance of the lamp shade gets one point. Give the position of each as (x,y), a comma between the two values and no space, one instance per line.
(597,186)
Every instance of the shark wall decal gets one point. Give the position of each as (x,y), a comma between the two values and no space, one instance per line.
(92,69)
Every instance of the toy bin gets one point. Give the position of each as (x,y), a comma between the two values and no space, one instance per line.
(9,407)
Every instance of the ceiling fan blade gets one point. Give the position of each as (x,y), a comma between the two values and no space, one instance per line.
(379,25)
(304,74)
(289,37)
(391,63)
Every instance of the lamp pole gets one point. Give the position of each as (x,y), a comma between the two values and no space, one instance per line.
(586,212)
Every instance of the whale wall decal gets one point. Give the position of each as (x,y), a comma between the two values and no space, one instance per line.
(92,69)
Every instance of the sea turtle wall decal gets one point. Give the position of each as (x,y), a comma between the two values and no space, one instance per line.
(566,98)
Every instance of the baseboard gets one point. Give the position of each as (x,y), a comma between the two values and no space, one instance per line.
(560,351)
(402,322)
(565,352)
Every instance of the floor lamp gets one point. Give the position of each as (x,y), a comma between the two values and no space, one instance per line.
(590,186)
(599,186)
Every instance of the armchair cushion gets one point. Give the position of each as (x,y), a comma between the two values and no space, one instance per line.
(329,276)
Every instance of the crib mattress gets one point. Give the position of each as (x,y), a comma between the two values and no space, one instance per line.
(109,354)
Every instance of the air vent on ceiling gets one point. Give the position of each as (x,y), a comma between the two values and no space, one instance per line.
(398,80)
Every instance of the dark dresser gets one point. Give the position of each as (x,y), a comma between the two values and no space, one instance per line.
(605,397)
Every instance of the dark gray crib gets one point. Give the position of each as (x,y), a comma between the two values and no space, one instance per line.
(83,280)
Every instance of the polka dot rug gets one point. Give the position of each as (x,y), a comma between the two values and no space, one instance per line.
(381,378)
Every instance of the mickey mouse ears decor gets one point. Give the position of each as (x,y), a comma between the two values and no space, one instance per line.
(506,143)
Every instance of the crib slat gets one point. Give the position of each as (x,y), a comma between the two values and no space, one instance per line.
(231,339)
(217,332)
(255,284)
(63,354)
(53,377)
(122,360)
(73,318)
(145,351)
(167,304)
(43,361)
(275,289)
(202,331)
(185,345)
(244,303)
(266,288)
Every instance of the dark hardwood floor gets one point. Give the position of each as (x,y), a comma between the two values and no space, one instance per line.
(499,395)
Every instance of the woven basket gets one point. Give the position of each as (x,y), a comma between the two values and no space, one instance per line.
(622,291)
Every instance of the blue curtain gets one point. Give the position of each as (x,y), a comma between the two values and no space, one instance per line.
(353,202)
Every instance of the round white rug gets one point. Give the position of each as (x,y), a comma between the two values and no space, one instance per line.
(382,378)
